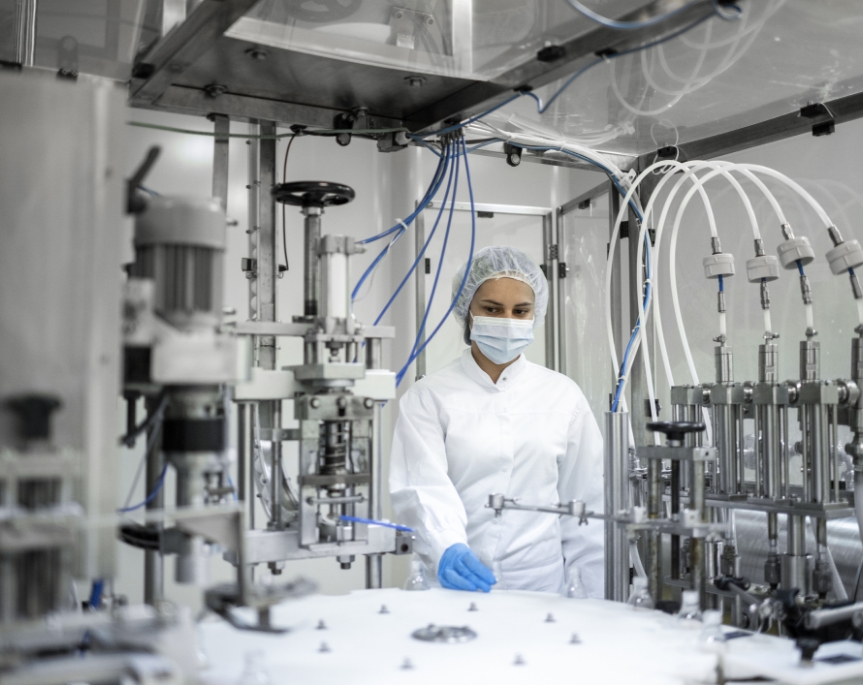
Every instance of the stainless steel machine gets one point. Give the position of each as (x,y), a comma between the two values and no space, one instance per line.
(754,519)
(336,393)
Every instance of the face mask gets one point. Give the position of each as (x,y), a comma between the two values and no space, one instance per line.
(501,340)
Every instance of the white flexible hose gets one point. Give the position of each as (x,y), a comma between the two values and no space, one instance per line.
(675,297)
(624,207)
(644,314)
(691,83)
(729,60)
(553,143)
(727,168)
(770,10)
(796,187)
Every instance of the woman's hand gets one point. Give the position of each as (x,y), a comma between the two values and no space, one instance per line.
(461,569)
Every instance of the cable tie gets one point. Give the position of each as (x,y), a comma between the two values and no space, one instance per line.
(400,233)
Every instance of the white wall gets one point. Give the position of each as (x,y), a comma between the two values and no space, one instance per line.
(387,187)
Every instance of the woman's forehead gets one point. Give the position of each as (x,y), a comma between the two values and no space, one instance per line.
(506,291)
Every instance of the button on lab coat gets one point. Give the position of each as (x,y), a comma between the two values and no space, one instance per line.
(460,438)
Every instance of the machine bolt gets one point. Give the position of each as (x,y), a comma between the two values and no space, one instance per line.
(214,90)
(324,648)
(257,53)
(342,403)
(314,403)
(368,403)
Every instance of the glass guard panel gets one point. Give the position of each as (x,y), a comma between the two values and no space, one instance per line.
(584,238)
(475,39)
(98,37)
(718,77)
(523,232)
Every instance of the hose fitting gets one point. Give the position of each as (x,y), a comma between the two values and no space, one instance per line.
(855,286)
(765,295)
(805,290)
(759,247)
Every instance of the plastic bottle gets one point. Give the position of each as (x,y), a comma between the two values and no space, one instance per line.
(689,615)
(255,670)
(416,578)
(712,639)
(640,597)
(574,585)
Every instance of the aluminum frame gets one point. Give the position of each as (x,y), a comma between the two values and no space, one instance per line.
(157,71)
(553,336)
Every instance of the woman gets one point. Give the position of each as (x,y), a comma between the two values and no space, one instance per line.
(493,422)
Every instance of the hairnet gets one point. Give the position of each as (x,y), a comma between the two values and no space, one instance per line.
(499,261)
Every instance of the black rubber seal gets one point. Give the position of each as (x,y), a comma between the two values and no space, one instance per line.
(193,435)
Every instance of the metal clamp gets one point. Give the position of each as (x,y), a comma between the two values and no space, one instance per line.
(572,508)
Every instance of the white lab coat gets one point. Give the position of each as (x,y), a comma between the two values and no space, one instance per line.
(460,438)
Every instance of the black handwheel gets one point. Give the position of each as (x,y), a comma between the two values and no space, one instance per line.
(675,430)
(313,193)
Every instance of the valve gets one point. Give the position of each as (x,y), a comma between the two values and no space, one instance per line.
(313,193)
(675,431)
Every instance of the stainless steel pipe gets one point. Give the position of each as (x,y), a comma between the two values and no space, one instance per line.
(616,498)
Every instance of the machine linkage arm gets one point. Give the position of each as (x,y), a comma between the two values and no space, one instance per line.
(572,508)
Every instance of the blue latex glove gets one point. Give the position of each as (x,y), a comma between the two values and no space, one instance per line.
(461,569)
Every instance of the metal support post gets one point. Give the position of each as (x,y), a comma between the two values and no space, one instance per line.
(420,285)
(25,53)
(242,450)
(550,251)
(374,562)
(154,561)
(616,499)
(222,126)
(677,414)
(267,246)
(311,264)
(696,545)
(637,376)
(654,541)
(262,304)
(561,296)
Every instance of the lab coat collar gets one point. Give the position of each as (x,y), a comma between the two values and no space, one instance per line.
(507,378)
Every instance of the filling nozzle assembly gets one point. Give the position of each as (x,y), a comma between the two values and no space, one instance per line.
(762,269)
(720,266)
(796,253)
(845,257)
